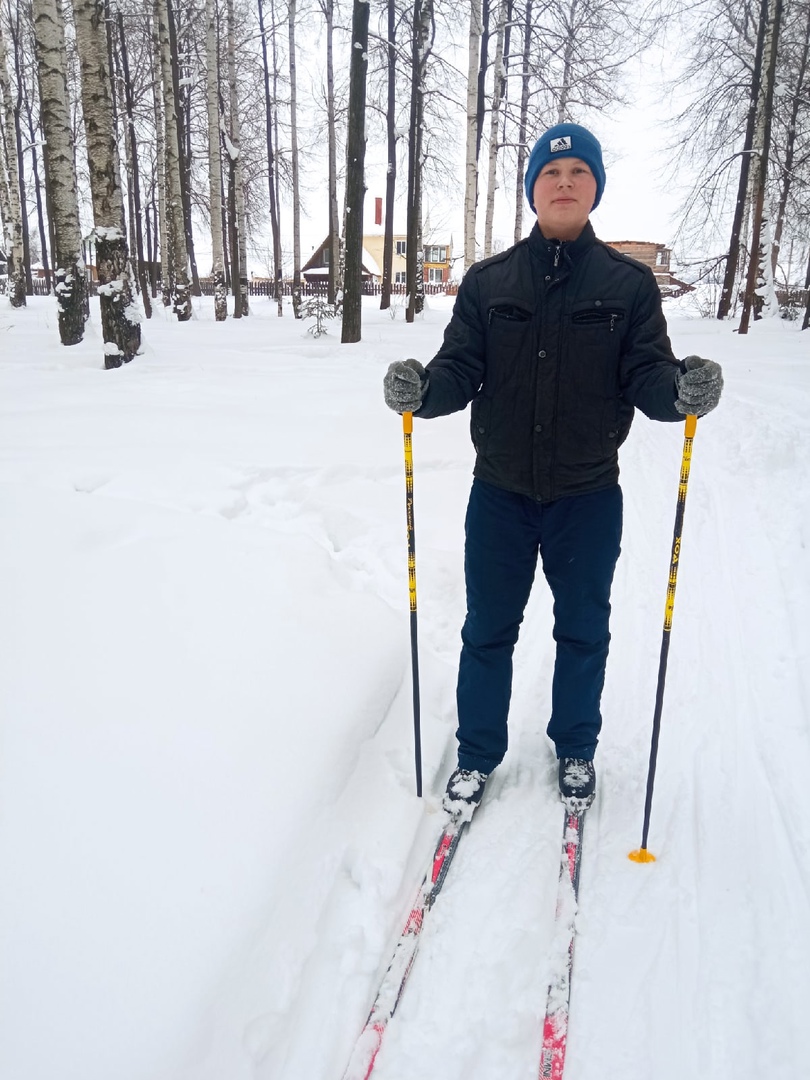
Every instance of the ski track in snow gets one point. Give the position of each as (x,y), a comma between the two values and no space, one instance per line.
(219,530)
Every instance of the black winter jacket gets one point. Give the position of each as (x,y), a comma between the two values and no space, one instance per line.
(554,344)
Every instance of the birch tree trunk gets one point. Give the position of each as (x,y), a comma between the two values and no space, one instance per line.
(43,239)
(12,203)
(499,80)
(335,285)
(569,23)
(238,172)
(471,169)
(800,94)
(296,288)
(162,229)
(120,323)
(17,46)
(269,113)
(355,174)
(760,259)
(423,34)
(391,172)
(131,142)
(182,111)
(178,255)
(743,187)
(215,161)
(69,270)
(523,123)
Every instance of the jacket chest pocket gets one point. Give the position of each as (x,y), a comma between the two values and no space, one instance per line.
(509,344)
(598,316)
(596,331)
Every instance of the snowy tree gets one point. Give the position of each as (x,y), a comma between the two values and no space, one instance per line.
(69,269)
(120,322)
(791,138)
(236,190)
(296,193)
(472,142)
(133,166)
(10,202)
(271,123)
(177,252)
(215,162)
(391,152)
(759,280)
(355,174)
(499,79)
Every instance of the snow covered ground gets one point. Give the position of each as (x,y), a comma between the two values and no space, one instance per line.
(208,831)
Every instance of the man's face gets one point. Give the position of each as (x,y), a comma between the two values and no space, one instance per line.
(564,193)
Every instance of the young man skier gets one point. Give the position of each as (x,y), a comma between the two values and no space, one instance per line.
(555,342)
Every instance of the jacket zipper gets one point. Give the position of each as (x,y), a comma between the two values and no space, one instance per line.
(561,284)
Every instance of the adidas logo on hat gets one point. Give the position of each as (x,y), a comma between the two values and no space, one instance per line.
(563,143)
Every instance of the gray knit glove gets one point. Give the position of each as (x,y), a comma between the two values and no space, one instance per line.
(699,386)
(404,385)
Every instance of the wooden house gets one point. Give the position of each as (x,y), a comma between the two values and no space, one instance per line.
(437,261)
(657,257)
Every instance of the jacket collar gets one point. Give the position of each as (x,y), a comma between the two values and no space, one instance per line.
(553,252)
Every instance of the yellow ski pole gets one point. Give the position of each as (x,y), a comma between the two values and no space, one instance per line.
(407,430)
(642,855)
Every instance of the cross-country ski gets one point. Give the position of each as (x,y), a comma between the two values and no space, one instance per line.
(395,979)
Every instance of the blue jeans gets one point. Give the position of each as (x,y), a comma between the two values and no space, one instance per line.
(578,539)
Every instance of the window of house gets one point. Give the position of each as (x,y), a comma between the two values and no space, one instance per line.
(435,274)
(435,254)
(325,256)
(399,277)
(662,258)
(401,247)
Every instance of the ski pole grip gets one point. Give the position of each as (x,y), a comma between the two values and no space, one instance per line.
(691,426)
(407,423)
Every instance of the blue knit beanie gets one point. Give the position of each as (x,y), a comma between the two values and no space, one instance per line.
(565,140)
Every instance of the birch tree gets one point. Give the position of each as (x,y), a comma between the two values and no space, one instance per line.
(523,121)
(180,87)
(10,202)
(120,323)
(471,159)
(334,285)
(33,142)
(270,126)
(759,266)
(732,259)
(175,224)
(133,166)
(424,30)
(162,222)
(69,270)
(236,181)
(355,175)
(391,155)
(215,162)
(794,69)
(296,286)
(499,78)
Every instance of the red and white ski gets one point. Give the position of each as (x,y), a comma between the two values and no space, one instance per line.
(555,1025)
(393,983)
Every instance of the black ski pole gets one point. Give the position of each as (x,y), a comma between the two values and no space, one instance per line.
(407,430)
(642,855)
